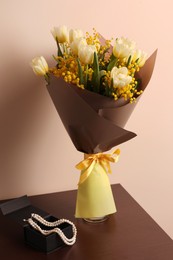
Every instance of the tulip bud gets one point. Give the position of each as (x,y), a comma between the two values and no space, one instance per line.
(61,34)
(40,66)
(75,34)
(140,57)
(123,48)
(77,44)
(86,54)
(120,77)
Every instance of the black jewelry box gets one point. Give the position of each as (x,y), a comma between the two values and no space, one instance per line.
(20,209)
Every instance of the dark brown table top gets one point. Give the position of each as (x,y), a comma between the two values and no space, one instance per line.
(129,234)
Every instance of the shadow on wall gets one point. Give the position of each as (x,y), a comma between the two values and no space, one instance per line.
(22,117)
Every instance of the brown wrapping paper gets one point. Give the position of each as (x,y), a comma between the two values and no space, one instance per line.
(95,123)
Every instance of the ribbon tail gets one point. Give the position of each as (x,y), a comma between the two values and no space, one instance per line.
(85,174)
(116,153)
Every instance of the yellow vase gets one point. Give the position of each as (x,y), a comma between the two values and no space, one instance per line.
(94,197)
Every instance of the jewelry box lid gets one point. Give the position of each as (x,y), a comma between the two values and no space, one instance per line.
(19,209)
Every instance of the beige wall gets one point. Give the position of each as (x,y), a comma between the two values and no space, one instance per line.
(36,155)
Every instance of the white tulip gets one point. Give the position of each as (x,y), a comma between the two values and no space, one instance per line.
(77,44)
(86,54)
(61,33)
(141,56)
(120,77)
(123,48)
(75,34)
(40,66)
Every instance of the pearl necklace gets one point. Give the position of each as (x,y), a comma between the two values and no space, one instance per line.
(55,229)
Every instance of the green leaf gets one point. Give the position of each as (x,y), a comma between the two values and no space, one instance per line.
(59,53)
(96,77)
(112,85)
(86,76)
(112,63)
(47,78)
(112,57)
(129,60)
(55,58)
(80,72)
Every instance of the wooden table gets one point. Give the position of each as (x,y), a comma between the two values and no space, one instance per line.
(130,234)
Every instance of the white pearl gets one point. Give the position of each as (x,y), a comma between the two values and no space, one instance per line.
(68,241)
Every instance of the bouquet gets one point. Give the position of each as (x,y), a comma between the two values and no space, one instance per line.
(95,85)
